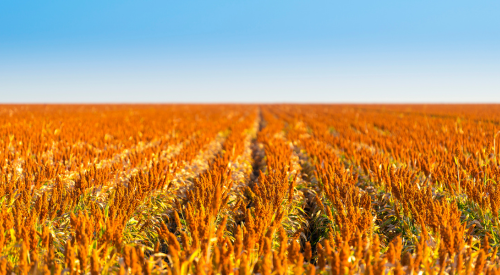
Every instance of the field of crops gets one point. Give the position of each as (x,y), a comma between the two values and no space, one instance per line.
(249,189)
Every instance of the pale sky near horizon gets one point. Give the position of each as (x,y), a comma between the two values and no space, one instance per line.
(249,51)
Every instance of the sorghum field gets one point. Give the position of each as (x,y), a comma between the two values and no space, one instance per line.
(243,189)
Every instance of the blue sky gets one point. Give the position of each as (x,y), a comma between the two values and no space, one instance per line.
(250,51)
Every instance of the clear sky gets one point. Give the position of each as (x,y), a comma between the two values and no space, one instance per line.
(250,51)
